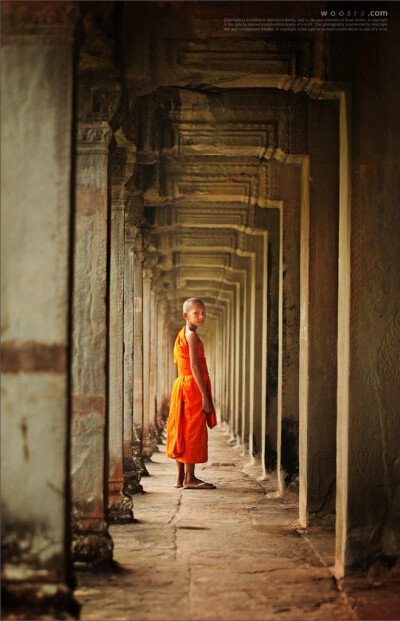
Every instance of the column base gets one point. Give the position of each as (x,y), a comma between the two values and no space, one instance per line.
(147,450)
(120,508)
(154,445)
(155,438)
(30,600)
(138,458)
(145,472)
(132,483)
(91,548)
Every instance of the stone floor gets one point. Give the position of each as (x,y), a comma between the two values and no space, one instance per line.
(230,553)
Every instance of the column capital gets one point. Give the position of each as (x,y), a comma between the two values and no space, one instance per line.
(122,166)
(49,19)
(119,196)
(137,230)
(150,261)
(122,169)
(141,242)
(99,97)
(122,163)
(94,135)
(133,215)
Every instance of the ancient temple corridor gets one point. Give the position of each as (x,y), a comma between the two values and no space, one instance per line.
(153,153)
(234,553)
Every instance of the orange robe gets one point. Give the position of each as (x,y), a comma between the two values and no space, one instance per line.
(187,422)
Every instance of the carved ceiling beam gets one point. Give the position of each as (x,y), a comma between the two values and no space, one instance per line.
(156,55)
(54,21)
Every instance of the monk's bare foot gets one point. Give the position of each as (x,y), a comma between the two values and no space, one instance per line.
(178,484)
(192,481)
(197,484)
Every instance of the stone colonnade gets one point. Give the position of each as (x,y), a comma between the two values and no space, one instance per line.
(112,222)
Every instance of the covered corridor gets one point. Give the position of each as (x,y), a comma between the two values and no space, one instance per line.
(151,154)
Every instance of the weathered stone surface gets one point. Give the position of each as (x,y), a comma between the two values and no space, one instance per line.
(121,166)
(88,547)
(318,378)
(89,328)
(368,498)
(37,106)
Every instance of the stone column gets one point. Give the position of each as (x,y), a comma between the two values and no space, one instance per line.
(161,344)
(268,220)
(252,347)
(224,366)
(132,441)
(36,99)
(154,361)
(238,363)
(138,396)
(91,542)
(289,180)
(319,277)
(259,242)
(368,438)
(166,357)
(160,361)
(232,363)
(149,439)
(232,358)
(245,405)
(119,503)
(172,368)
(146,327)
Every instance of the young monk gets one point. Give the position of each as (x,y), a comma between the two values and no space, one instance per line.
(191,406)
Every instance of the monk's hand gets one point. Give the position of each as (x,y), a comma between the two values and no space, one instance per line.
(206,404)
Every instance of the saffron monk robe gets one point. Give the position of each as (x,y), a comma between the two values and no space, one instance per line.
(191,407)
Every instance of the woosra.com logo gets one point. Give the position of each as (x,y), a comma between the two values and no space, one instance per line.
(354,14)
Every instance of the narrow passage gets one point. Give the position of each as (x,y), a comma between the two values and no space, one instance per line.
(230,553)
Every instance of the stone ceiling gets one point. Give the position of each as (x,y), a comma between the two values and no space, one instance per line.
(204,168)
(210,110)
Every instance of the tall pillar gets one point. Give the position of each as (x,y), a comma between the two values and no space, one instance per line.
(132,447)
(146,327)
(149,428)
(36,99)
(119,503)
(318,356)
(232,366)
(238,362)
(290,181)
(252,349)
(368,437)
(154,429)
(91,542)
(246,354)
(227,365)
(161,345)
(268,220)
(259,241)
(217,369)
(138,380)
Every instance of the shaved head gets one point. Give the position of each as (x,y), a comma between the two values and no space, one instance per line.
(187,305)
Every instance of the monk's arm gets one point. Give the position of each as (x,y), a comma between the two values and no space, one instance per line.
(192,340)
